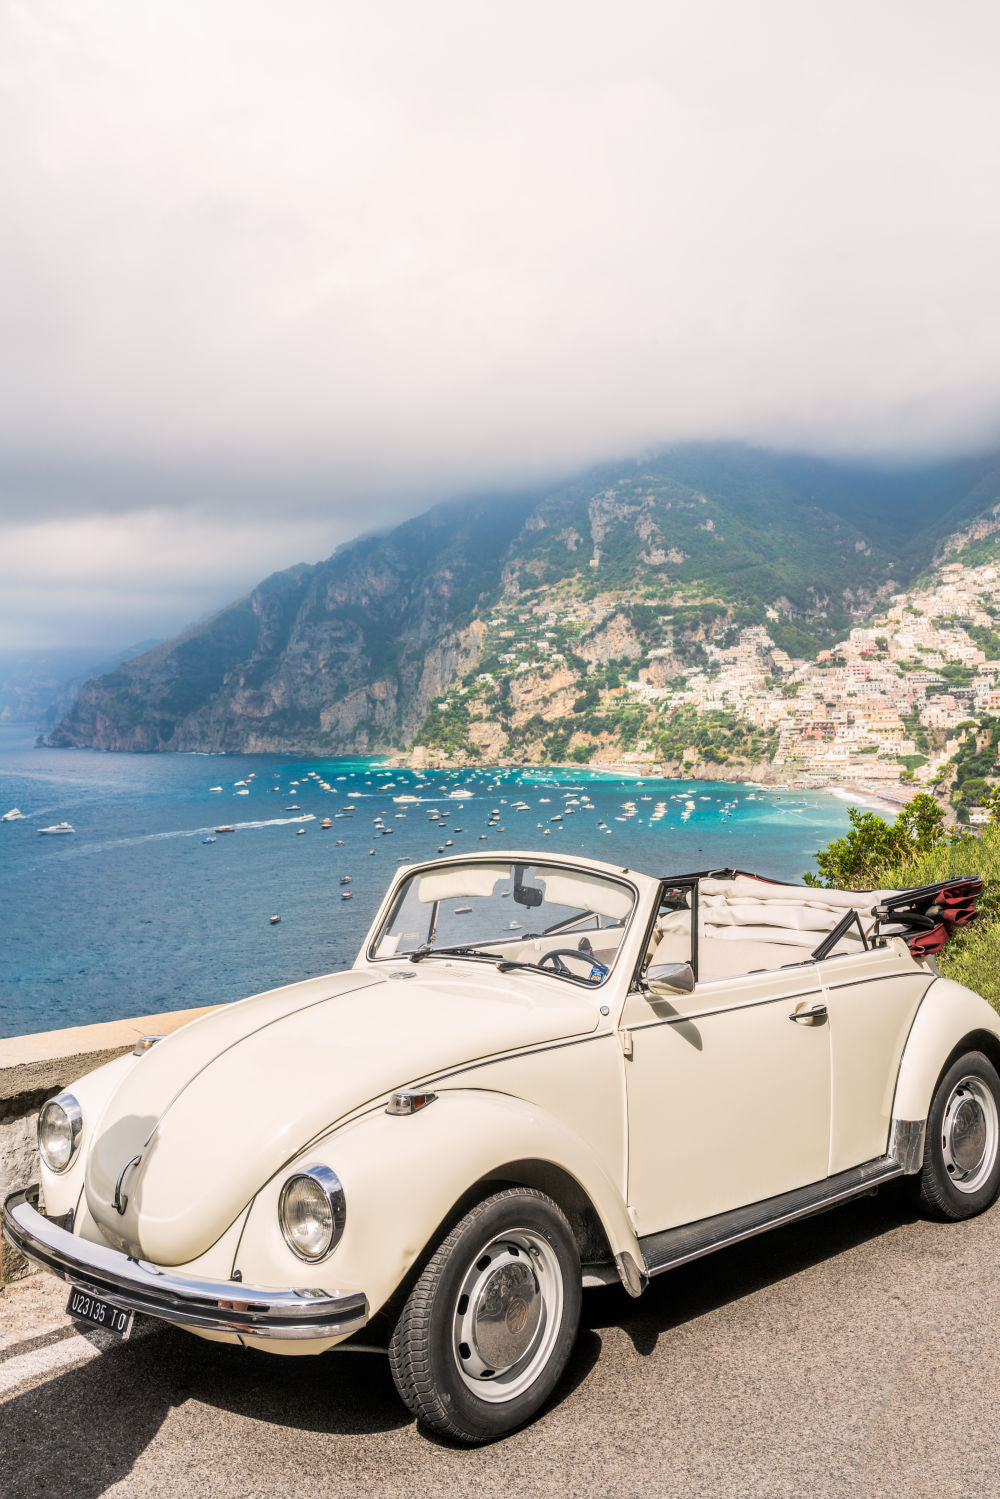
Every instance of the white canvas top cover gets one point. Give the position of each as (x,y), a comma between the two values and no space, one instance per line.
(746,909)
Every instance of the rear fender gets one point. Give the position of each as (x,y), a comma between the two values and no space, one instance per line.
(949,1015)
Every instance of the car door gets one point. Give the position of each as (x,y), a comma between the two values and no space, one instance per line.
(871,998)
(728,1095)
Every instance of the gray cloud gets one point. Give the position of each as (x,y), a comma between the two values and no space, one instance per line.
(283,274)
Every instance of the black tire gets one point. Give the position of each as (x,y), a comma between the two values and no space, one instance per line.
(526,1288)
(963,1094)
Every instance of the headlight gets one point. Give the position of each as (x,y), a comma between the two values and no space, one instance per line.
(312,1212)
(60,1125)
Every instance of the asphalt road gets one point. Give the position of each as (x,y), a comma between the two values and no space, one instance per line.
(856,1354)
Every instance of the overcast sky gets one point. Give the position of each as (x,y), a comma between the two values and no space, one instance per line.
(272,274)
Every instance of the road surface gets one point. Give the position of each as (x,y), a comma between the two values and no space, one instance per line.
(855,1354)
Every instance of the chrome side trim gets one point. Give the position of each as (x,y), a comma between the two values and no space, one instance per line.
(877,978)
(508,1056)
(906,1144)
(676,1246)
(135,1285)
(749,1004)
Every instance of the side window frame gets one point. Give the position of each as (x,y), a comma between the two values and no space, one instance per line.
(687,883)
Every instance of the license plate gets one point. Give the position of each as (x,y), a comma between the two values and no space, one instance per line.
(87,1308)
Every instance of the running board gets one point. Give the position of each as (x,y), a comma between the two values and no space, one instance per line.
(675,1246)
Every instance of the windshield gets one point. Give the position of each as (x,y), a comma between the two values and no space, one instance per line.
(558,918)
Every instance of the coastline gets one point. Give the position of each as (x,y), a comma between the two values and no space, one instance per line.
(758,776)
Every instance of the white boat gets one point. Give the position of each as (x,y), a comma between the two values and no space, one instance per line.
(12,815)
(215,788)
(59,827)
(406,798)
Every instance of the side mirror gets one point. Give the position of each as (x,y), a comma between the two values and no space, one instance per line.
(664,979)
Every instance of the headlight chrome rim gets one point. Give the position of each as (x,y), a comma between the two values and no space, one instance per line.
(73,1113)
(329,1184)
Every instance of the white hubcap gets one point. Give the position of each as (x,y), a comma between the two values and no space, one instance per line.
(969,1134)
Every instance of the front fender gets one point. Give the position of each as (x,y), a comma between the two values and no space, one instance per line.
(403,1175)
(92,1092)
(948,1013)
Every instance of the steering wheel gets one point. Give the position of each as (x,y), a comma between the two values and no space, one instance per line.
(556,955)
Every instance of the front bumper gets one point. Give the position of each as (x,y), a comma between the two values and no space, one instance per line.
(135,1285)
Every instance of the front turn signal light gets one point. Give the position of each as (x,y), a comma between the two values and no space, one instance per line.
(407,1101)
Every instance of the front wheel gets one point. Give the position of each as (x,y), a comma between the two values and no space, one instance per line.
(487,1330)
(961,1171)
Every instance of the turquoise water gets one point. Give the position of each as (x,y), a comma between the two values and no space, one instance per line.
(135,914)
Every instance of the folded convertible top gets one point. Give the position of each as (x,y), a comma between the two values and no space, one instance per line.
(930,914)
(926,917)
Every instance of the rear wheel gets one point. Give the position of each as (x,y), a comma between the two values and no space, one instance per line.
(961,1171)
(488,1328)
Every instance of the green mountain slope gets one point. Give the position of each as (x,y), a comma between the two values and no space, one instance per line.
(385,643)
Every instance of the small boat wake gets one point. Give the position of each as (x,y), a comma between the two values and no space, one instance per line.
(202,833)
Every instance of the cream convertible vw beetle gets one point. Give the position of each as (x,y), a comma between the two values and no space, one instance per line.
(540,1075)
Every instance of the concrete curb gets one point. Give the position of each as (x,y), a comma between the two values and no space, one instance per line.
(33,1068)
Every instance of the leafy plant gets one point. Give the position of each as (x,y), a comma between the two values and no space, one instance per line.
(856,861)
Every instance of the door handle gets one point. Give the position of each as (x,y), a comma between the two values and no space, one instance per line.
(813,1016)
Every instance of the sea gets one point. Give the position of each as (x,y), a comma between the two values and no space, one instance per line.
(138,911)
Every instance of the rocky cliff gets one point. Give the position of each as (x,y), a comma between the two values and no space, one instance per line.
(477,628)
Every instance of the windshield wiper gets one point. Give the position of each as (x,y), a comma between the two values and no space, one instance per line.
(457,952)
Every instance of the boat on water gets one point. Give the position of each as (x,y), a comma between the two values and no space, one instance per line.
(215,788)
(345,879)
(59,827)
(274,919)
(326,823)
(12,815)
(345,894)
(226,828)
(406,798)
(210,839)
(463,910)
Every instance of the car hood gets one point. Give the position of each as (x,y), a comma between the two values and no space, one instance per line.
(213,1111)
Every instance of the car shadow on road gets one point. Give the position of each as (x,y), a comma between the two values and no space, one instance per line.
(83,1431)
(88,1427)
(707,1284)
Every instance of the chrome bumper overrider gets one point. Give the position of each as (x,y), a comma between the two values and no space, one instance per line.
(215,1305)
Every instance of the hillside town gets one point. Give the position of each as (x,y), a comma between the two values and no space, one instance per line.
(886,703)
(893,707)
